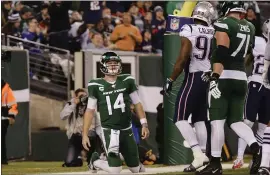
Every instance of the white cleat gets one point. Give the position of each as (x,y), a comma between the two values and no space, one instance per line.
(198,162)
(238,163)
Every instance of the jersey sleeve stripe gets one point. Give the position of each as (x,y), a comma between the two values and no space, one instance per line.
(221,25)
(94,84)
(129,77)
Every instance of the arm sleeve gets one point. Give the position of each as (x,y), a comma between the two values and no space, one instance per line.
(92,103)
(134,96)
(132,85)
(186,31)
(68,109)
(92,91)
(221,26)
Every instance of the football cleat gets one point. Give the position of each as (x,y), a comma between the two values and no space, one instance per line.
(256,162)
(238,163)
(198,162)
(210,169)
(94,157)
(263,171)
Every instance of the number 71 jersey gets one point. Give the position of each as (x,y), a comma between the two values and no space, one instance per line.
(113,101)
(200,37)
(242,35)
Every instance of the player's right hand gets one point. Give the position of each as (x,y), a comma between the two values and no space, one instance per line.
(214,91)
(86,142)
(168,86)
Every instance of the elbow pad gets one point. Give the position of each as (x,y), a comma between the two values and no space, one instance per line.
(222,55)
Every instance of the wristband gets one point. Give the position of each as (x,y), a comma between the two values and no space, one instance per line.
(143,121)
(215,76)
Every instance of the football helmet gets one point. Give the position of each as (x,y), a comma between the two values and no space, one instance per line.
(231,6)
(266,29)
(204,11)
(111,64)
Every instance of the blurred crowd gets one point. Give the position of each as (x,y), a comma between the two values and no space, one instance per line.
(115,25)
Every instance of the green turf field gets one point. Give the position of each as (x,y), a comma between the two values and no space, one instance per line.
(29,167)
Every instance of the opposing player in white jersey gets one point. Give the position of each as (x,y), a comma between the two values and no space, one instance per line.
(258,98)
(265,162)
(194,58)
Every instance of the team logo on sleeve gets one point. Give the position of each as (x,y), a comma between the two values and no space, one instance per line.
(101,89)
(174,24)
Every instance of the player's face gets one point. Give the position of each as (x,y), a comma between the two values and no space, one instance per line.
(113,67)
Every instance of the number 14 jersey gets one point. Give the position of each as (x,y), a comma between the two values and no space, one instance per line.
(113,100)
(200,37)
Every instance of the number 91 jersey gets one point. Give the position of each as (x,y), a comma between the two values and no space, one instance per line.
(200,37)
(113,101)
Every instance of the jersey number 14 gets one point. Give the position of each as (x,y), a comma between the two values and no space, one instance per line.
(118,104)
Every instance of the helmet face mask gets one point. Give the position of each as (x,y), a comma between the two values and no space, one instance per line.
(111,64)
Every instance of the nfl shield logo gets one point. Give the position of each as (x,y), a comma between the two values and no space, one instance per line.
(174,23)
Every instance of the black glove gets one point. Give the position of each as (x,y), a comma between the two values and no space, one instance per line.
(168,86)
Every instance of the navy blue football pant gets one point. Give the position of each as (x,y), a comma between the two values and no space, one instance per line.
(257,102)
(192,99)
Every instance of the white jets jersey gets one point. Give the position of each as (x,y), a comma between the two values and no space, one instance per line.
(258,53)
(201,38)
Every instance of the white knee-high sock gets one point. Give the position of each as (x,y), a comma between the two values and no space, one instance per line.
(103,164)
(201,134)
(244,132)
(242,144)
(189,135)
(260,132)
(266,149)
(217,137)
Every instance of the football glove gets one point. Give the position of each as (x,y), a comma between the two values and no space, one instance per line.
(206,75)
(168,86)
(213,89)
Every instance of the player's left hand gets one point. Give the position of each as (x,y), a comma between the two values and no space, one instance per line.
(168,86)
(145,132)
(206,75)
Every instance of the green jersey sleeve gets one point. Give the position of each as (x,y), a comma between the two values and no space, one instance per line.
(222,25)
(92,89)
(132,85)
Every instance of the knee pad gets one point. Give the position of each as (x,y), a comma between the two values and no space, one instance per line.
(134,169)
(248,122)
(115,170)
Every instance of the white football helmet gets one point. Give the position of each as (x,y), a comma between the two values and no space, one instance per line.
(204,11)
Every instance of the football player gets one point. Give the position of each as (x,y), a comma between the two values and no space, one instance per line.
(258,97)
(228,83)
(112,96)
(194,57)
(265,163)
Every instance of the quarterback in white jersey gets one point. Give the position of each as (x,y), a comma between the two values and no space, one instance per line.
(265,162)
(194,58)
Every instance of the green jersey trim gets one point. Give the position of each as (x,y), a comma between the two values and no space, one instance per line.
(221,25)
(95,84)
(129,77)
